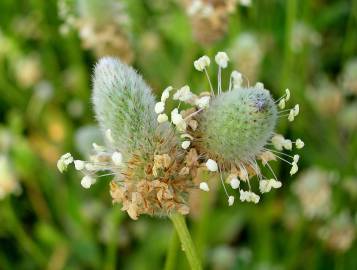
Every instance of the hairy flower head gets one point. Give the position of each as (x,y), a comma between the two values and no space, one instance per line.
(124,104)
(155,156)
(238,124)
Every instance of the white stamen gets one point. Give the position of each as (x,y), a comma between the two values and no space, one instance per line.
(278,141)
(264,186)
(237,79)
(296,110)
(159,107)
(282,104)
(259,85)
(117,158)
(201,63)
(202,102)
(166,93)
(212,165)
(64,161)
(230,200)
(291,116)
(234,183)
(287,94)
(299,144)
(275,184)
(177,120)
(287,144)
(294,168)
(79,165)
(161,118)
(204,186)
(184,94)
(249,196)
(222,59)
(185,144)
(87,181)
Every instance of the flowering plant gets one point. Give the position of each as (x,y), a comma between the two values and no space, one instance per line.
(156,160)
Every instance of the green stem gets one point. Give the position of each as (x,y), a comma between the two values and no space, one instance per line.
(288,57)
(172,252)
(111,256)
(199,231)
(186,241)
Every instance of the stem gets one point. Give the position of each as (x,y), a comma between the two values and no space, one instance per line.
(172,252)
(201,224)
(289,23)
(186,241)
(111,249)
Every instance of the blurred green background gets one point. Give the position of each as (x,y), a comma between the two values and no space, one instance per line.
(47,52)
